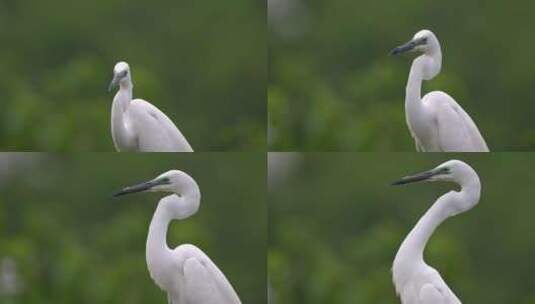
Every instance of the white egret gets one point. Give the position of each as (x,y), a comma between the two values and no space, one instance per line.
(415,281)
(137,125)
(436,122)
(186,273)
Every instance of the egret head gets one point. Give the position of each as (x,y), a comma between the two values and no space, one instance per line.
(451,171)
(186,194)
(121,75)
(424,42)
(457,172)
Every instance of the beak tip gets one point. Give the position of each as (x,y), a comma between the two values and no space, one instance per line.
(112,84)
(142,187)
(120,192)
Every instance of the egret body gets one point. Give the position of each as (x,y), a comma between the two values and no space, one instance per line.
(137,125)
(414,280)
(186,273)
(436,122)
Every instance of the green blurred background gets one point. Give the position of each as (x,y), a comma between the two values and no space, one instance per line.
(72,242)
(336,225)
(203,63)
(333,86)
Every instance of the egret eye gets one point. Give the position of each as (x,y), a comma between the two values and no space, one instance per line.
(445,170)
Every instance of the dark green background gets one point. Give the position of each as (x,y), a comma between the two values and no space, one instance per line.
(334,87)
(336,224)
(203,63)
(74,243)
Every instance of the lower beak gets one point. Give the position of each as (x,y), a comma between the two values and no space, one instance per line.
(409,46)
(415,178)
(136,188)
(146,186)
(113,84)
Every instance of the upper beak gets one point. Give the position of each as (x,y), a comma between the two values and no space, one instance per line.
(141,187)
(409,46)
(423,176)
(113,83)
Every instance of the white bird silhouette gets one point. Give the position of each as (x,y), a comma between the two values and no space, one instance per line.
(186,273)
(137,125)
(437,122)
(415,281)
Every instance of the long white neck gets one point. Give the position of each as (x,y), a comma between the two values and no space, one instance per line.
(425,67)
(122,137)
(157,252)
(449,204)
(157,238)
(414,244)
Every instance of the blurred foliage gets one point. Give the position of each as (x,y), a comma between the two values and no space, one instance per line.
(201,62)
(336,225)
(333,86)
(74,243)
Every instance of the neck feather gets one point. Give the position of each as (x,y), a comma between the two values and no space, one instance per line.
(120,133)
(414,244)
(449,204)
(158,228)
(424,67)
(157,250)
(413,91)
(411,251)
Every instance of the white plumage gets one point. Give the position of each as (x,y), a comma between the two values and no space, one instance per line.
(414,280)
(186,273)
(436,122)
(137,125)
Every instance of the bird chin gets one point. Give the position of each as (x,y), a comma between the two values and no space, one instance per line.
(433,179)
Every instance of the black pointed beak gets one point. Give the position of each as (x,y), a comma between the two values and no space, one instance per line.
(419,177)
(145,186)
(407,47)
(113,84)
